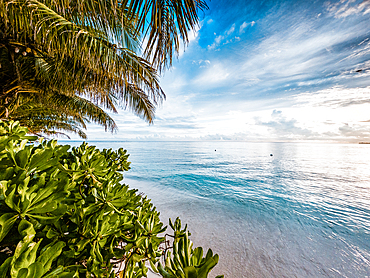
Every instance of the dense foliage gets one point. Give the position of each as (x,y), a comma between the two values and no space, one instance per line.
(66,213)
(62,61)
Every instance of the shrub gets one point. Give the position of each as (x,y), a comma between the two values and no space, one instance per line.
(64,212)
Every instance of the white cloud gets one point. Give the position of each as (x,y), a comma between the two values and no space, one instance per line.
(286,128)
(336,97)
(242,27)
(245,25)
(298,55)
(219,95)
(212,76)
(363,50)
(218,39)
(357,132)
(347,8)
(231,30)
(216,42)
(202,63)
(335,114)
(223,38)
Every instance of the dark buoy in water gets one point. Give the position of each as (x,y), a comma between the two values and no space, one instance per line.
(271,154)
(215,150)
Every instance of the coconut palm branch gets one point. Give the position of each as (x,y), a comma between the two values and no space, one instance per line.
(90,49)
(54,112)
(164,23)
(69,52)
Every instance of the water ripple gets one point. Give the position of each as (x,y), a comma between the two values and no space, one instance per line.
(304,212)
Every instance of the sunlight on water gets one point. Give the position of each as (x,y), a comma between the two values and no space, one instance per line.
(303,212)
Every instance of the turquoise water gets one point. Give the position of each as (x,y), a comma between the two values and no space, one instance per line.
(303,212)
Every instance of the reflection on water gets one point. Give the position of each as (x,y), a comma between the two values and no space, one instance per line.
(303,212)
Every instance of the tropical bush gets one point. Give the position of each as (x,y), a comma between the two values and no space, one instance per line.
(64,212)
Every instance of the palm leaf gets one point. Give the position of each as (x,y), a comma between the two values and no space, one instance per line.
(88,50)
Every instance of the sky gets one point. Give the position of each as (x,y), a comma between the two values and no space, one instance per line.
(271,71)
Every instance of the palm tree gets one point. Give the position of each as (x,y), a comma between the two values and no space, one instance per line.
(64,61)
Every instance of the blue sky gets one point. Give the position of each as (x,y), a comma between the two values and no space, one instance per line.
(266,71)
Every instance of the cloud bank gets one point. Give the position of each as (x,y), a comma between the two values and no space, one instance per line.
(267,70)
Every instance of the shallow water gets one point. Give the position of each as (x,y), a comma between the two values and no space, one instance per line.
(303,212)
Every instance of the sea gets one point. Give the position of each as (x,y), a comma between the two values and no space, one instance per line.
(267,209)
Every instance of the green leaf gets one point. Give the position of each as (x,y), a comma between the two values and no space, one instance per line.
(164,273)
(5,267)
(9,200)
(24,256)
(9,171)
(22,157)
(35,270)
(153,267)
(26,230)
(49,254)
(190,272)
(44,193)
(43,207)
(56,272)
(197,256)
(96,250)
(46,219)
(82,244)
(41,161)
(52,233)
(207,266)
(7,221)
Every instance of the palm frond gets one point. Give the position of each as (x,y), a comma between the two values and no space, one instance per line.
(82,56)
(164,23)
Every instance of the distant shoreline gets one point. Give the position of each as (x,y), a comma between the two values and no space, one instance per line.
(364,142)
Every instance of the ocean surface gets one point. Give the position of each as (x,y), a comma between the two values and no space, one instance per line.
(303,212)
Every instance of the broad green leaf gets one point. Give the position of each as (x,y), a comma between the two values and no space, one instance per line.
(49,254)
(55,273)
(52,233)
(190,272)
(8,173)
(7,221)
(24,256)
(35,270)
(45,218)
(48,206)
(41,161)
(44,193)
(197,256)
(22,157)
(207,266)
(4,268)
(164,273)
(9,200)
(26,230)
